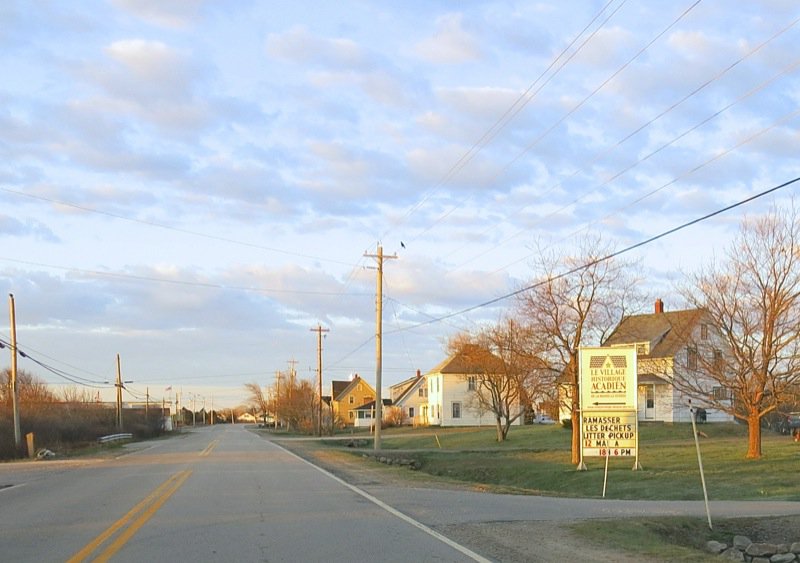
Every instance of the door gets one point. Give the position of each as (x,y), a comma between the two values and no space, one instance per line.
(647,401)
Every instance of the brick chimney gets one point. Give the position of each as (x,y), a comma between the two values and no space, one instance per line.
(419,374)
(659,306)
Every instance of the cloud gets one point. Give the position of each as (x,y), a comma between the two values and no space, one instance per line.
(300,46)
(451,44)
(10,226)
(176,14)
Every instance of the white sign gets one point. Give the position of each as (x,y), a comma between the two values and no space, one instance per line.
(608,394)
(608,378)
(609,433)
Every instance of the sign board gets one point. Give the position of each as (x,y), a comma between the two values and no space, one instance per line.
(608,378)
(609,433)
(608,400)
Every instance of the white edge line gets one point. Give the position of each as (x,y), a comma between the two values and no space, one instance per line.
(444,539)
(14,486)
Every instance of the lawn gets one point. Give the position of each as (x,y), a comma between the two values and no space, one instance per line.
(536,460)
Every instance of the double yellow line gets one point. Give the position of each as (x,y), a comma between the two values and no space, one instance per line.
(208,449)
(134,519)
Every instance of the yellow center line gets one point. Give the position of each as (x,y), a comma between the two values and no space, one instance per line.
(209,447)
(129,532)
(166,489)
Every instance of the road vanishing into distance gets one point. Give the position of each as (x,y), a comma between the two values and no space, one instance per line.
(223,493)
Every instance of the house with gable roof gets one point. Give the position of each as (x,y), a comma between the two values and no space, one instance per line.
(411,397)
(347,396)
(451,389)
(668,343)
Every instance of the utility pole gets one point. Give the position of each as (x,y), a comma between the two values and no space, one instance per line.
(147,404)
(14,388)
(212,409)
(319,330)
(118,385)
(277,395)
(379,257)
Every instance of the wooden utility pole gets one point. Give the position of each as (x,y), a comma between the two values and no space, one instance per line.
(277,395)
(118,385)
(14,387)
(319,330)
(378,420)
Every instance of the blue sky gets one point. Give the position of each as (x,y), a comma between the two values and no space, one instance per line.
(194,185)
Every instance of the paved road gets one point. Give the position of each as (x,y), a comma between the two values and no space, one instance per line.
(225,494)
(216,494)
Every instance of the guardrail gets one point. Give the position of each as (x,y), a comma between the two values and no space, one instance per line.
(115,437)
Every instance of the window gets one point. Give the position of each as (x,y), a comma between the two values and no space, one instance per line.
(456,410)
(351,415)
(423,391)
(351,399)
(721,393)
(471,383)
(410,412)
(704,332)
(717,358)
(691,357)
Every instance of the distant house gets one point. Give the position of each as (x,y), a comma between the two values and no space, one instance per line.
(347,396)
(365,414)
(451,395)
(669,343)
(410,396)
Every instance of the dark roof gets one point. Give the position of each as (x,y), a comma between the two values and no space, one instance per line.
(461,363)
(371,405)
(667,332)
(338,387)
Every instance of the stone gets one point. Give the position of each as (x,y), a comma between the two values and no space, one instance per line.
(759,560)
(715,546)
(761,549)
(782,558)
(732,554)
(795,547)
(741,542)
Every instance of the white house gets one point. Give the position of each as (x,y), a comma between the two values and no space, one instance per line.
(668,343)
(411,397)
(451,394)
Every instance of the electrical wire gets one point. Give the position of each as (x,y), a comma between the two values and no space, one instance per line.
(207,285)
(624,139)
(604,258)
(511,112)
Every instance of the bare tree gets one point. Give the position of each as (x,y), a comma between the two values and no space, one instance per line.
(505,371)
(256,397)
(752,298)
(576,301)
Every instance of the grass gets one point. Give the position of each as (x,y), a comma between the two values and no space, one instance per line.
(536,460)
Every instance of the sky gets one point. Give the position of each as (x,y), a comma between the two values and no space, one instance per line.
(196,186)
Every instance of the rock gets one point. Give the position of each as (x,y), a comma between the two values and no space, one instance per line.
(795,547)
(782,558)
(759,560)
(715,546)
(782,548)
(732,554)
(761,549)
(741,542)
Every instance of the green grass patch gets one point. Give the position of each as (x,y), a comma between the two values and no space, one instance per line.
(536,460)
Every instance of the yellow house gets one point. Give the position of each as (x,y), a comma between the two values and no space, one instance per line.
(347,396)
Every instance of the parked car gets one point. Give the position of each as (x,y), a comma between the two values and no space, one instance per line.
(544,419)
(791,425)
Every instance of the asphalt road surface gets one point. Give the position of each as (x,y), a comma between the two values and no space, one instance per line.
(219,493)
(223,493)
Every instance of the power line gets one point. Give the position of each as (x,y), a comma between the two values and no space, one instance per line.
(206,285)
(574,109)
(511,112)
(634,132)
(602,259)
(170,227)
